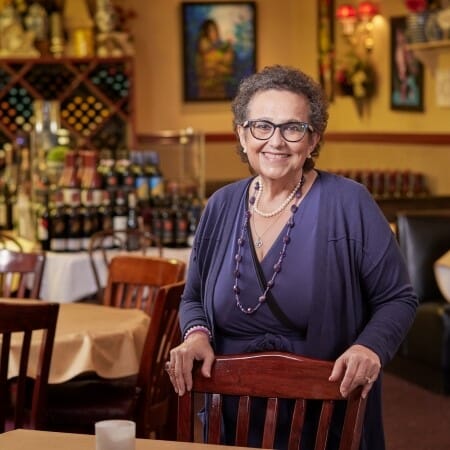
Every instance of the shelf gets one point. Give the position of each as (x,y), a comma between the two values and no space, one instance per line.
(428,52)
(95,96)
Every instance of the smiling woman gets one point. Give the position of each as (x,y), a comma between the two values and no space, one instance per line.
(322,253)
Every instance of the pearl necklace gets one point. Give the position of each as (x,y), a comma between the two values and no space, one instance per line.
(282,207)
(277,266)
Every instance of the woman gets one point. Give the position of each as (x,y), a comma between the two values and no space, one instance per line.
(326,253)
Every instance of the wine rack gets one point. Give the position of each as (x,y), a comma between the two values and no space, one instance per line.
(95,95)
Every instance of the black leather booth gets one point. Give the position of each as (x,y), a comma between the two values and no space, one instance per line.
(424,357)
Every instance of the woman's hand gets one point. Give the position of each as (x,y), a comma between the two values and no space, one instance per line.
(357,366)
(196,347)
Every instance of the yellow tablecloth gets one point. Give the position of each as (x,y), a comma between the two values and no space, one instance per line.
(106,340)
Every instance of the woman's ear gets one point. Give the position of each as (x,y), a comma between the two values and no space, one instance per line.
(241,133)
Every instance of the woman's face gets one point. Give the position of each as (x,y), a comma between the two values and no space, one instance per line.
(276,158)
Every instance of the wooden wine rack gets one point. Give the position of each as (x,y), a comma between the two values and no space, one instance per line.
(95,95)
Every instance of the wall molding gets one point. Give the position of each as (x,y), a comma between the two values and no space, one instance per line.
(387,138)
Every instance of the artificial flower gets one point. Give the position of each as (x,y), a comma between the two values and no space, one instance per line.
(416,6)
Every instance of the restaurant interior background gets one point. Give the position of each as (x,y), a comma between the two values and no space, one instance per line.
(286,33)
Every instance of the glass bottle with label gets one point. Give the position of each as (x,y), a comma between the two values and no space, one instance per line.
(74,219)
(69,182)
(132,222)
(43,225)
(106,218)
(120,216)
(58,224)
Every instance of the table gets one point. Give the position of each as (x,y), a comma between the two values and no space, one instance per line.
(68,276)
(442,274)
(103,339)
(47,440)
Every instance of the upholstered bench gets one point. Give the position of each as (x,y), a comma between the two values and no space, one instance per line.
(424,357)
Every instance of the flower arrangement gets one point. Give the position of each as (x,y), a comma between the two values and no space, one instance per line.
(416,6)
(357,78)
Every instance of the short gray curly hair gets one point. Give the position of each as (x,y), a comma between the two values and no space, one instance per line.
(284,78)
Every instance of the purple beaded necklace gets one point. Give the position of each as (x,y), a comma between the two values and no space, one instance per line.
(277,266)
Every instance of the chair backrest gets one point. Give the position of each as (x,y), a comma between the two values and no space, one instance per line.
(156,395)
(10,242)
(423,236)
(21,273)
(25,316)
(101,243)
(275,376)
(134,280)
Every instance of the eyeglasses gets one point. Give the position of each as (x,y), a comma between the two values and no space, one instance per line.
(291,131)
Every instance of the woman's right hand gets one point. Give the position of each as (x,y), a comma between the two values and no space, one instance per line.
(195,348)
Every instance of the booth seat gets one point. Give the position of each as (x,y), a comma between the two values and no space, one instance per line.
(424,357)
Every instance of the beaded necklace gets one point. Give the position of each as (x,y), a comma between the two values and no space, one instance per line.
(277,266)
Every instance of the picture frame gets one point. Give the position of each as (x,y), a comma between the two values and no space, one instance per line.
(407,84)
(219,48)
(326,46)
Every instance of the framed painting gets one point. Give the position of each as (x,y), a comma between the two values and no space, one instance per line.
(219,48)
(325,45)
(406,71)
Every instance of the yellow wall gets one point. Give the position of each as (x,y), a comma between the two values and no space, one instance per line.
(286,34)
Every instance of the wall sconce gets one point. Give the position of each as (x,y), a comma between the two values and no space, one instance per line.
(357,23)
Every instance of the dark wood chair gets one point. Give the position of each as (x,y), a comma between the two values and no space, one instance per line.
(274,376)
(134,280)
(102,242)
(147,398)
(26,317)
(21,273)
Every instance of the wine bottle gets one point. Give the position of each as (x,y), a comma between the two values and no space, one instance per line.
(58,224)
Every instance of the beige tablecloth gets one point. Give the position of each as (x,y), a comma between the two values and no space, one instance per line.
(442,274)
(106,340)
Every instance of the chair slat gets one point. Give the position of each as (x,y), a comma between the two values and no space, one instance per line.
(270,423)
(242,426)
(324,424)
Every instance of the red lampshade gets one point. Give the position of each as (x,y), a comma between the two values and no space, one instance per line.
(367,10)
(344,12)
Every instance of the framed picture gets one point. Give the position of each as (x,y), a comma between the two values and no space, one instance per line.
(219,48)
(325,45)
(406,71)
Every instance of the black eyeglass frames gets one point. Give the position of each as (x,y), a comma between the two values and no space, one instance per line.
(291,131)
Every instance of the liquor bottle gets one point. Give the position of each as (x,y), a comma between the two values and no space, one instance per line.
(58,224)
(141,183)
(120,216)
(167,223)
(24,209)
(91,181)
(106,218)
(69,182)
(154,174)
(132,222)
(180,223)
(156,226)
(74,218)
(124,172)
(6,220)
(43,224)
(90,220)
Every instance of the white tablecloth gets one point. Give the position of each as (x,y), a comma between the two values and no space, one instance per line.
(442,274)
(69,277)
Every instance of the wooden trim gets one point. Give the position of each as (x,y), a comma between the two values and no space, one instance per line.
(391,138)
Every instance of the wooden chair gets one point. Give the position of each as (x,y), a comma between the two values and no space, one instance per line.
(134,280)
(25,317)
(75,406)
(275,376)
(10,242)
(16,269)
(101,243)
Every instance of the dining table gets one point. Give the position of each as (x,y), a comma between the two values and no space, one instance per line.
(21,439)
(89,338)
(68,276)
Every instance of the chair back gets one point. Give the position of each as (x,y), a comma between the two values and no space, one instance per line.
(26,317)
(134,280)
(21,273)
(157,399)
(10,242)
(102,242)
(274,376)
(423,236)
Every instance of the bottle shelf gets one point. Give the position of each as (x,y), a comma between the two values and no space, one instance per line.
(428,52)
(95,95)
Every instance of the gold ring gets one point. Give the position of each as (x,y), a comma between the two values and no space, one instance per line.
(170,370)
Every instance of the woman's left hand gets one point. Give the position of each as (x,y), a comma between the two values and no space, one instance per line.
(357,366)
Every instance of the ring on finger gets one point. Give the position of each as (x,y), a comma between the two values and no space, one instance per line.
(169,369)
(368,380)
